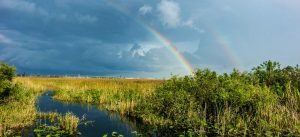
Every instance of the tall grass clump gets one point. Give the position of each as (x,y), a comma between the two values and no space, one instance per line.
(69,122)
(57,124)
(264,102)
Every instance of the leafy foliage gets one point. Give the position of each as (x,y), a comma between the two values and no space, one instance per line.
(262,102)
(17,103)
(7,72)
(6,75)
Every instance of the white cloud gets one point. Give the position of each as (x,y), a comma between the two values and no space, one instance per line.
(169,13)
(23,6)
(145,9)
(5,40)
(18,5)
(143,48)
(86,18)
(190,23)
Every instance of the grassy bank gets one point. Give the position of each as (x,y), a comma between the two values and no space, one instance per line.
(17,105)
(17,111)
(114,94)
(17,102)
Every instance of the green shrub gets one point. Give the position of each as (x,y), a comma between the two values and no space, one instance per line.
(256,103)
(6,75)
(7,72)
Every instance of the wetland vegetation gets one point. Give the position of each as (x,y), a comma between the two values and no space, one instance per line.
(17,103)
(114,94)
(262,102)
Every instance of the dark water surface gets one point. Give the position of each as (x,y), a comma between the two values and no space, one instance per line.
(103,122)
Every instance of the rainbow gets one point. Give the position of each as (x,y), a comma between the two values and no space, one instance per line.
(222,42)
(165,41)
(169,45)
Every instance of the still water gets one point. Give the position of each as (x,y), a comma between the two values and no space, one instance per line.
(103,122)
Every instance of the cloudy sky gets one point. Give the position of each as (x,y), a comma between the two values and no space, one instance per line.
(111,38)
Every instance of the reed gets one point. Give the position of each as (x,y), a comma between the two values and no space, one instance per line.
(69,122)
(59,125)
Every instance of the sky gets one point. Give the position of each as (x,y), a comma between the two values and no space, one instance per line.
(149,39)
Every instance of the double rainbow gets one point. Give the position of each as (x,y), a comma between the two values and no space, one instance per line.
(170,46)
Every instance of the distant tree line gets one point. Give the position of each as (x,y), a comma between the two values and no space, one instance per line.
(61,76)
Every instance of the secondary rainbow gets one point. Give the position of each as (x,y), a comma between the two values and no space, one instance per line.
(223,43)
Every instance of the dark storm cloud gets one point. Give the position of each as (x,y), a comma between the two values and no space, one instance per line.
(71,37)
(107,37)
(53,21)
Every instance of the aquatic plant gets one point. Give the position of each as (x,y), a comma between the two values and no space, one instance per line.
(60,125)
(113,134)
(69,122)
(49,131)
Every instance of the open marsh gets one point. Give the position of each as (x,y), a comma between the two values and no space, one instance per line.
(113,94)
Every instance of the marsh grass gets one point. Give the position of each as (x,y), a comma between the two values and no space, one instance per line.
(120,95)
(69,122)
